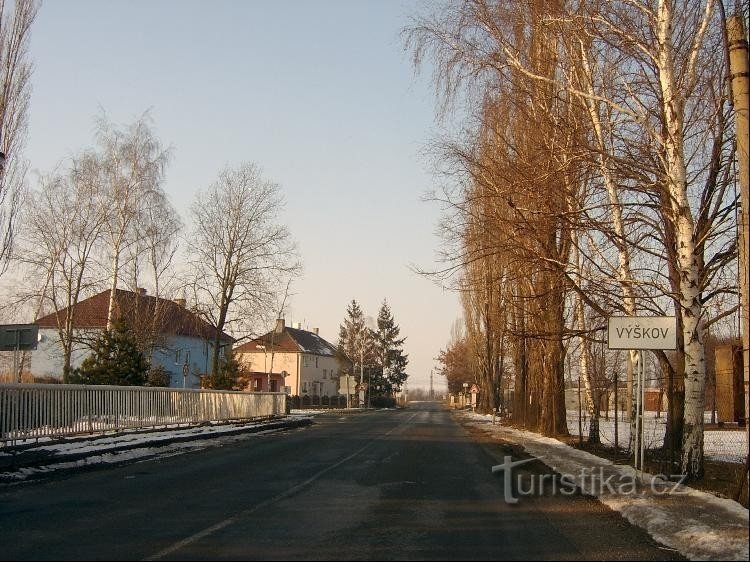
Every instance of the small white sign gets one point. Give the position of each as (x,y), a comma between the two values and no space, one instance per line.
(642,332)
(347,384)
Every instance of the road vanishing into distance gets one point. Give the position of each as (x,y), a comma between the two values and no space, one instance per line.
(408,484)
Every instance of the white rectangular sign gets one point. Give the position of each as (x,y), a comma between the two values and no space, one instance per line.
(642,332)
(352,385)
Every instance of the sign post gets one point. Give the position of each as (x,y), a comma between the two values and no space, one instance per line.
(639,333)
(347,386)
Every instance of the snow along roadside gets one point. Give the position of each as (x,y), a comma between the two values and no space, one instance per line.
(699,525)
(130,446)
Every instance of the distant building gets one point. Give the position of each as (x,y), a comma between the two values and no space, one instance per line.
(310,363)
(183,342)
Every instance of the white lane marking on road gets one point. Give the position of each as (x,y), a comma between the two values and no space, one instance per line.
(291,491)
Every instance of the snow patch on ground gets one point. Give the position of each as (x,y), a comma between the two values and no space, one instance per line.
(699,525)
(154,446)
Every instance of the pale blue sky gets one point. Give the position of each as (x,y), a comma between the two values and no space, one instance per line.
(319,94)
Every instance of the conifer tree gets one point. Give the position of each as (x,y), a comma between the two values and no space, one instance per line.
(389,351)
(230,375)
(355,339)
(115,360)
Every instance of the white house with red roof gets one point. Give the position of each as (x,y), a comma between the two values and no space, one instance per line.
(292,357)
(184,341)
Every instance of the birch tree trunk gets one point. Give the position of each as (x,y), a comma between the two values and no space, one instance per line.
(583,358)
(624,272)
(688,263)
(113,286)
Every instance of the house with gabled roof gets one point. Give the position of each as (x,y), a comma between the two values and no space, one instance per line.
(291,357)
(180,341)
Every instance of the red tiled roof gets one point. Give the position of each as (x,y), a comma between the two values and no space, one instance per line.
(174,319)
(291,340)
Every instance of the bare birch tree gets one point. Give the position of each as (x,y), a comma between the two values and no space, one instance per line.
(150,262)
(131,164)
(62,232)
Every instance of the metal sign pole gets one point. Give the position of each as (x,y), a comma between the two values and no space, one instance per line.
(617,430)
(637,442)
(16,374)
(643,403)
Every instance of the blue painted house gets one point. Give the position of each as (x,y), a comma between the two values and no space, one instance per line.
(180,341)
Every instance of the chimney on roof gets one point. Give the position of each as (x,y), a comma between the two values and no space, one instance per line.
(180,302)
(316,331)
(279,325)
(141,291)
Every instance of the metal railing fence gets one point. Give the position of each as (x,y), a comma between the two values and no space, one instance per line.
(57,410)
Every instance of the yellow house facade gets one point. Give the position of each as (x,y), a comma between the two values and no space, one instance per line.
(291,357)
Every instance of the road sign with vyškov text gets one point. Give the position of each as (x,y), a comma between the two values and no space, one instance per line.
(642,332)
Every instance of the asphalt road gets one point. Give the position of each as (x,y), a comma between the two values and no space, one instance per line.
(405,484)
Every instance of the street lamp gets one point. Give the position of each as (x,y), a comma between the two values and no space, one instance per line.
(265,367)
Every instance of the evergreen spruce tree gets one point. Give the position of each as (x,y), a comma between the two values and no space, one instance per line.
(389,351)
(355,339)
(115,360)
(229,376)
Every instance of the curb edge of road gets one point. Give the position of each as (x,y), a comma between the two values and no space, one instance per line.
(38,459)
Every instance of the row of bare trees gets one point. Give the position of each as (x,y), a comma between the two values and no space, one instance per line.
(104,221)
(593,175)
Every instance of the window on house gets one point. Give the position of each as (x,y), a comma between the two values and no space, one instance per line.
(177,356)
(274,386)
(316,362)
(256,384)
(304,387)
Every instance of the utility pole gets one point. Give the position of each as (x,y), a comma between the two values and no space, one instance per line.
(432,394)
